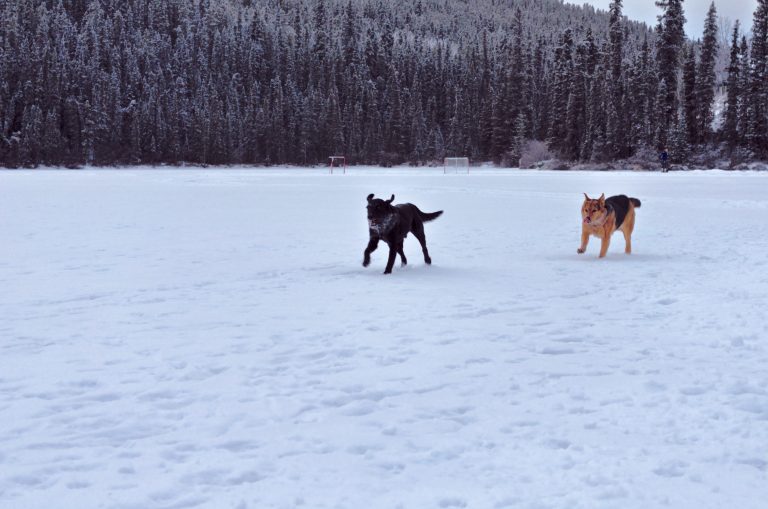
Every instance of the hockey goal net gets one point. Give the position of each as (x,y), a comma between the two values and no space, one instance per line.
(338,162)
(456,165)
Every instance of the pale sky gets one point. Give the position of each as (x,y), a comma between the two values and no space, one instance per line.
(695,12)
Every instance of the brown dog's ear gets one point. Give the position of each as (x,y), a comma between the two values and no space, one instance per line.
(586,197)
(602,199)
(391,199)
(370,198)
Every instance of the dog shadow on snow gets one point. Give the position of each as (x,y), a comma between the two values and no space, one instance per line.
(634,258)
(413,272)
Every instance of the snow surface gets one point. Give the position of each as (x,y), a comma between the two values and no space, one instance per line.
(208,338)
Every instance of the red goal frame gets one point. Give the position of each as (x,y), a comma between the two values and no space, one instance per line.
(332,159)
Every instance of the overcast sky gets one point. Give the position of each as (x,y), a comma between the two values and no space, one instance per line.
(695,11)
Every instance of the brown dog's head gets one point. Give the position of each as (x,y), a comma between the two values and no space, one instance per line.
(594,211)
(380,213)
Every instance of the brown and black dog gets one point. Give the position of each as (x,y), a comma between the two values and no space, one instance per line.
(603,216)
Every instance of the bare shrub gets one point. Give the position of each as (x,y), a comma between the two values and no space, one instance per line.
(534,152)
(646,158)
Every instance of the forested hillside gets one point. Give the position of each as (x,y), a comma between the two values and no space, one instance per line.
(380,81)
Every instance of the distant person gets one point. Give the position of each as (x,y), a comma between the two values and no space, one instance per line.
(664,158)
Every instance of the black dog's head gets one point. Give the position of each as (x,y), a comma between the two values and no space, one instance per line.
(380,213)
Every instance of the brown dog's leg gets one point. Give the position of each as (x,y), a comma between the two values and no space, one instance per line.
(391,260)
(584,241)
(605,241)
(628,229)
(627,241)
(373,243)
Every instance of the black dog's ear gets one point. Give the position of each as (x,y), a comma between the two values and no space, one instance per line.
(391,199)
(370,198)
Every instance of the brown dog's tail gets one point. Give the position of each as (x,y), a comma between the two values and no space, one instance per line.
(635,202)
(429,216)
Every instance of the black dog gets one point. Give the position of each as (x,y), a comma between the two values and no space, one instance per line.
(391,223)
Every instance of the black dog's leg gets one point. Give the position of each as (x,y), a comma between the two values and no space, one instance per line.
(402,254)
(391,260)
(418,232)
(373,243)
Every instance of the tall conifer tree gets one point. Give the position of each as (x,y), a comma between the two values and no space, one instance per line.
(757,109)
(690,99)
(705,77)
(670,38)
(733,91)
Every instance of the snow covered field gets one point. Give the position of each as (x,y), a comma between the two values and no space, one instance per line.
(209,338)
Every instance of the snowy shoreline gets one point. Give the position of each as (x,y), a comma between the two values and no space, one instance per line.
(554,166)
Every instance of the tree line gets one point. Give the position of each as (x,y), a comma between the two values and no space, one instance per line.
(382,82)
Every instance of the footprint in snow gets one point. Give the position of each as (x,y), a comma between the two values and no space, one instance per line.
(452,502)
(556,351)
(556,443)
(671,469)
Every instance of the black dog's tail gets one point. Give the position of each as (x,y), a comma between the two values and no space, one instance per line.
(429,216)
(635,202)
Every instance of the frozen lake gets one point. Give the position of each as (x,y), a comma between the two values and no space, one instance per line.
(208,338)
